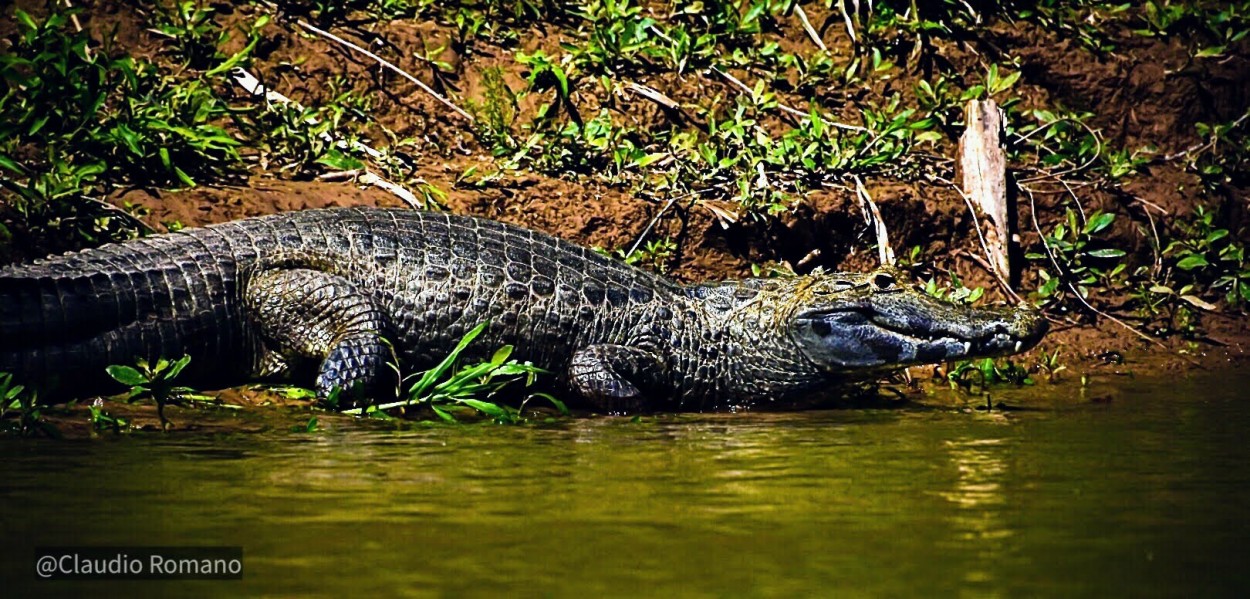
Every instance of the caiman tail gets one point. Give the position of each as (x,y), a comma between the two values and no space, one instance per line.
(62,321)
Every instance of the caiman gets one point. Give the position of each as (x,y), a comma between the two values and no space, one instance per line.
(341,294)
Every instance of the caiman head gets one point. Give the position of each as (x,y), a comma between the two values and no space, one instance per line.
(861,324)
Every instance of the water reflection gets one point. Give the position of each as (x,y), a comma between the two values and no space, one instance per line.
(852,502)
(978,493)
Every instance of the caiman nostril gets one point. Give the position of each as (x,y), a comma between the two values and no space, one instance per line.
(883,281)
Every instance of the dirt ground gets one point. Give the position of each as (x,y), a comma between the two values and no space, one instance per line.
(1148,93)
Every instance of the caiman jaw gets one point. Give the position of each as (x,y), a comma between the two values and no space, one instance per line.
(902,327)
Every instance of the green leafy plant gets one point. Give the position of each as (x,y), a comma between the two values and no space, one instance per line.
(75,122)
(1210,255)
(655,254)
(154,381)
(189,25)
(954,292)
(1049,363)
(496,112)
(446,389)
(1080,258)
(986,373)
(17,400)
(1222,162)
(101,420)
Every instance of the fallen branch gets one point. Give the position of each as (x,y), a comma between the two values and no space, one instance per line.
(872,216)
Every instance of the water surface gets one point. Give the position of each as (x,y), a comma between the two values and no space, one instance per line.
(1142,495)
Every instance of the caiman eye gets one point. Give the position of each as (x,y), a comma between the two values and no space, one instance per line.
(883,281)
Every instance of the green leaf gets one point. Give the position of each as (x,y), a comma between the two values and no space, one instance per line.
(1107,253)
(1100,221)
(176,368)
(1049,288)
(1210,52)
(433,374)
(444,414)
(1192,261)
(485,407)
(1216,235)
(184,177)
(649,159)
(11,165)
(1198,303)
(27,22)
(546,396)
(336,159)
(126,375)
(501,355)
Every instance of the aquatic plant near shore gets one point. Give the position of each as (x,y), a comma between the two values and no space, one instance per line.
(446,390)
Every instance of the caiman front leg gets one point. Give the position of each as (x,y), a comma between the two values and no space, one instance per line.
(614,377)
(306,314)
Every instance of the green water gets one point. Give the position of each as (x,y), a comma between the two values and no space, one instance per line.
(1143,495)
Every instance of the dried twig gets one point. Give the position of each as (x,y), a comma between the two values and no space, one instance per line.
(782,107)
(846,17)
(385,63)
(976,224)
(747,90)
(253,85)
(73,18)
(807,26)
(872,216)
(663,100)
(655,219)
(1202,147)
(1059,272)
(1076,169)
(652,94)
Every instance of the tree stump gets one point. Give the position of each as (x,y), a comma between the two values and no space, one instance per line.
(983,161)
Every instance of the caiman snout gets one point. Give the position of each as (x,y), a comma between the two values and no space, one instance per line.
(887,327)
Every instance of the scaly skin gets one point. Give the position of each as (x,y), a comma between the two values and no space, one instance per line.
(332,291)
